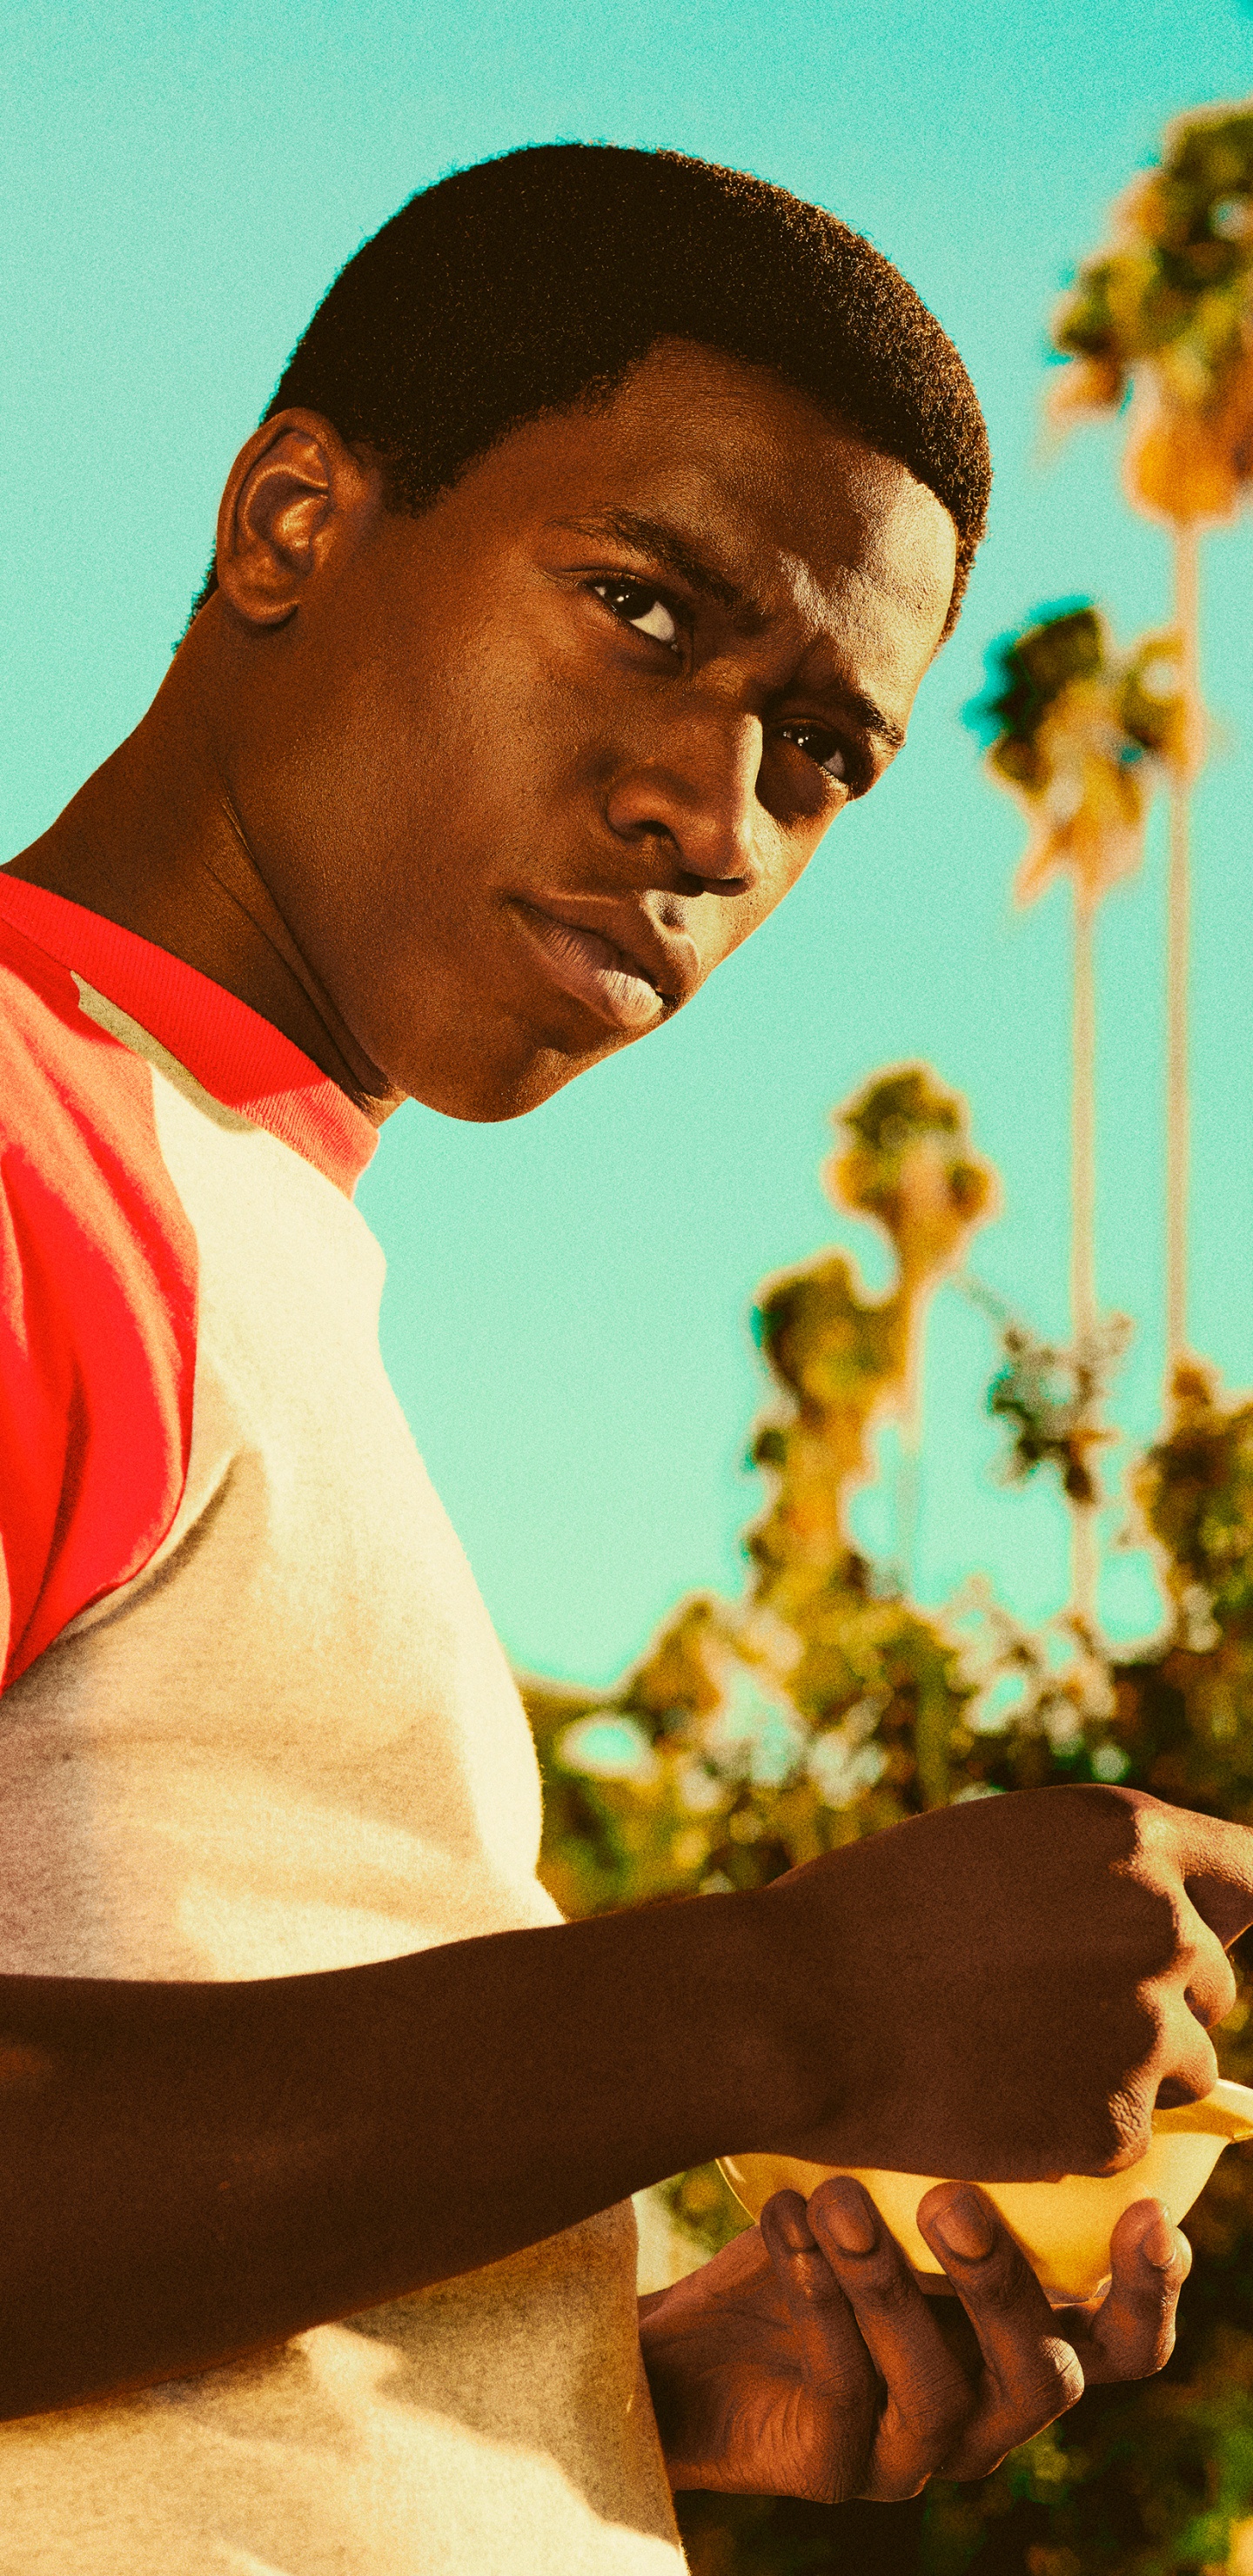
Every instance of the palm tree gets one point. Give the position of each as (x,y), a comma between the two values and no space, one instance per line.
(1081,735)
(1167,314)
(906,1163)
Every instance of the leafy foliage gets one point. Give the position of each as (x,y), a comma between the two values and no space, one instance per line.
(1053,1400)
(1169,309)
(1082,735)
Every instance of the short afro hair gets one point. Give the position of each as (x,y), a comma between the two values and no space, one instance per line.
(530,283)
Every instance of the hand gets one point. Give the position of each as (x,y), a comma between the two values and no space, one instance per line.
(804,2360)
(1002,1989)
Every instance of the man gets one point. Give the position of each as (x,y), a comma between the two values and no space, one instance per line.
(602,529)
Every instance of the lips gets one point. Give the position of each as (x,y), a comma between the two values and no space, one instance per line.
(631,987)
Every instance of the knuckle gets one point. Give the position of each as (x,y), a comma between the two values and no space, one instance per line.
(1005,2284)
(981,2458)
(1158,1914)
(1193,2065)
(1147,2305)
(900,2486)
(927,2417)
(937,2422)
(1211,1965)
(1010,2277)
(809,2279)
(840,2474)
(898,2472)
(1119,2133)
(1226,1986)
(1066,2382)
(1152,2353)
(1045,2383)
(885,2286)
(1056,2384)
(1154,1828)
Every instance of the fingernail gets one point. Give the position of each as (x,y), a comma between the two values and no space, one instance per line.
(850,2218)
(1157,2244)
(793,2225)
(965,2228)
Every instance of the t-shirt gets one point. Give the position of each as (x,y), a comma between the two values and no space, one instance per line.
(255,1722)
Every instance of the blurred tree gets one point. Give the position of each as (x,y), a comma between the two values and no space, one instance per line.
(1167,315)
(1081,735)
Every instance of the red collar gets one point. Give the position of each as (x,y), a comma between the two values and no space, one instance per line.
(236,1056)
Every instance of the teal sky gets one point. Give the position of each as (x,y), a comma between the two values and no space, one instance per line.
(567,1308)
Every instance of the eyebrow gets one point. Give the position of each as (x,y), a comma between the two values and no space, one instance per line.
(676,554)
(870,716)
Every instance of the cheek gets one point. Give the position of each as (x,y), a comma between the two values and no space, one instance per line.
(402,761)
(507,724)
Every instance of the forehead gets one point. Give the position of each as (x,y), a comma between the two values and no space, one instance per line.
(817,530)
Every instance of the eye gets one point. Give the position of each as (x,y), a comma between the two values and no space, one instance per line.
(824,748)
(637,604)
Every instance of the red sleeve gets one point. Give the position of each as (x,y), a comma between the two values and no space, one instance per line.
(97,1310)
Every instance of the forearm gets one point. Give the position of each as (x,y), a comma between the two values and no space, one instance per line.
(193,2171)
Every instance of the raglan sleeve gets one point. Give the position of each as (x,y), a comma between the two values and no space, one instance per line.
(97,1324)
(33,1441)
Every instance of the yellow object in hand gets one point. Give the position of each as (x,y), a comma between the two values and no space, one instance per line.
(1063,2227)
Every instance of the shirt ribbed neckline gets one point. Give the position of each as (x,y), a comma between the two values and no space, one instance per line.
(235,1055)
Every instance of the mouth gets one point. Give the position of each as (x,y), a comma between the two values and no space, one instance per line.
(593,970)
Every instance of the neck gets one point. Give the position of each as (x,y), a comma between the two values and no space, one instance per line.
(153,842)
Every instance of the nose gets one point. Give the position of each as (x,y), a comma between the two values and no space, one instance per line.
(700,800)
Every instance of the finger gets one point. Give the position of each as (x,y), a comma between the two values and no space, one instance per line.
(1210,1978)
(928,2396)
(824,2322)
(1216,1864)
(1132,2333)
(836,2368)
(1031,2371)
(1186,2056)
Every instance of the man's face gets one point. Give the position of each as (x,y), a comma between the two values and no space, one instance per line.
(531,765)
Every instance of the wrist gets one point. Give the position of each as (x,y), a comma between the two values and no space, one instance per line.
(750,1980)
(801,1979)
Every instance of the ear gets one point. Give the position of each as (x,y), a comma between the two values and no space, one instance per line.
(295,493)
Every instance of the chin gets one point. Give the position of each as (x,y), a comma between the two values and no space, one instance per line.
(513,1093)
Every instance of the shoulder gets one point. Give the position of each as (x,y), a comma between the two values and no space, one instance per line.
(97,1308)
(66,1089)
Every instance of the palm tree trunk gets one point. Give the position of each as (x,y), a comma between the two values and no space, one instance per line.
(1084,1552)
(909,1452)
(1177,912)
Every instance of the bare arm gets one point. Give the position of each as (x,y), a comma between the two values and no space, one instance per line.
(993,1991)
(190,2171)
